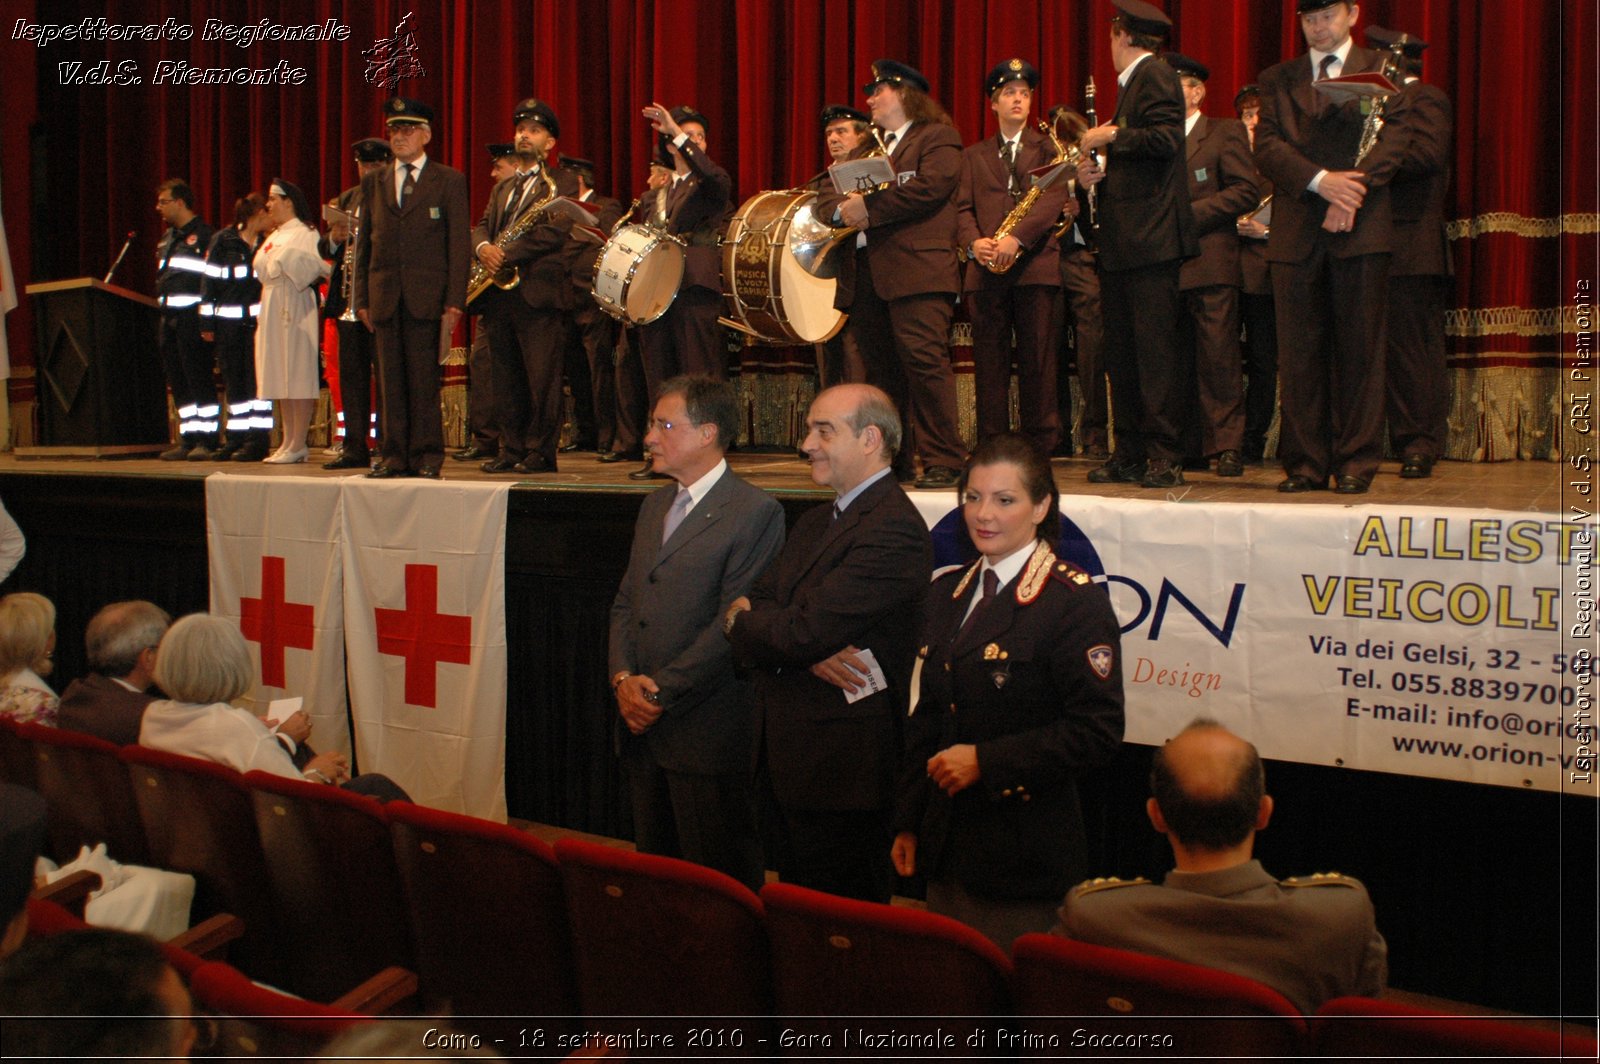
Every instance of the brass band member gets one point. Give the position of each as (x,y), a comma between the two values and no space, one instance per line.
(900,286)
(524,322)
(355,340)
(592,338)
(1012,281)
(627,445)
(847,134)
(1080,297)
(483,443)
(1255,299)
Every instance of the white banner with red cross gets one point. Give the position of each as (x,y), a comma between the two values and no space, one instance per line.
(276,569)
(425,637)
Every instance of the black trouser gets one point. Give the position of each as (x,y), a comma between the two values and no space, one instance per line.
(187,361)
(1149,368)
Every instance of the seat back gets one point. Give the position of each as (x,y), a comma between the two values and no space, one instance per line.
(657,937)
(836,958)
(331,866)
(90,797)
(1204,1011)
(487,914)
(1363,1027)
(16,756)
(254,1021)
(198,819)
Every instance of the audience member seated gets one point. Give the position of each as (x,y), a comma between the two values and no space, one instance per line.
(1311,938)
(109,702)
(203,664)
(27,639)
(93,994)
(22,829)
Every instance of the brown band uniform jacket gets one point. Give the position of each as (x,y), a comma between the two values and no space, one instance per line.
(1419,192)
(1222,186)
(911,235)
(1037,715)
(419,253)
(539,254)
(856,581)
(697,210)
(584,256)
(983,200)
(1302,132)
(666,622)
(1144,212)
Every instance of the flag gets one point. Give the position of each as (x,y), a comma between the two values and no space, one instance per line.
(425,637)
(277,569)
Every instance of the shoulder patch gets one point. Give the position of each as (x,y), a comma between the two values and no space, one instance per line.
(1101,659)
(1067,573)
(1320,879)
(1093,886)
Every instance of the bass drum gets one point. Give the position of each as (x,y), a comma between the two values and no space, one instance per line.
(638,274)
(770,295)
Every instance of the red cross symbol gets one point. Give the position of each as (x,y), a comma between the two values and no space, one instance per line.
(423,636)
(274,622)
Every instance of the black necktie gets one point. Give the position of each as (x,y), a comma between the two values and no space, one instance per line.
(888,144)
(1327,62)
(514,201)
(991,588)
(1008,154)
(410,184)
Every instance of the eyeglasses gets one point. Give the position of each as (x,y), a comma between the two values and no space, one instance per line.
(165,201)
(667,426)
(404,127)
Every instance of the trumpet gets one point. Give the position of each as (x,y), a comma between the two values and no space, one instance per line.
(1020,211)
(811,240)
(347,283)
(507,277)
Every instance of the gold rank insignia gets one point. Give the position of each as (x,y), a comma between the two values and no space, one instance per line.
(1318,879)
(1015,64)
(992,652)
(1091,886)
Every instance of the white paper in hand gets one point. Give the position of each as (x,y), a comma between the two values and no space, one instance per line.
(873,679)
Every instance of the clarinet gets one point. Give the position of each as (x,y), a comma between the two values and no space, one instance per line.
(1094,156)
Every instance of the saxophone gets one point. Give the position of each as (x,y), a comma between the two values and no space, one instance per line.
(507,277)
(1025,204)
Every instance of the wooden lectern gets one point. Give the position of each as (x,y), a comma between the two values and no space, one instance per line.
(101,391)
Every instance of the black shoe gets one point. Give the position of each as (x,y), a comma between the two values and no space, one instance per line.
(609,457)
(1229,464)
(1416,467)
(1294,484)
(176,454)
(576,445)
(936,477)
(647,472)
(534,464)
(251,451)
(1116,471)
(504,464)
(349,461)
(429,473)
(226,452)
(389,472)
(201,453)
(1160,473)
(1350,484)
(473,454)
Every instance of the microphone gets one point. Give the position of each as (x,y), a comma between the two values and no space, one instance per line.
(126,244)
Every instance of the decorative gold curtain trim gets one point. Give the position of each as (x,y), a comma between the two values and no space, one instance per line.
(1518,321)
(1521,225)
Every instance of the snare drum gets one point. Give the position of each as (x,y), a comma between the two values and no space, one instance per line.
(638,274)
(770,295)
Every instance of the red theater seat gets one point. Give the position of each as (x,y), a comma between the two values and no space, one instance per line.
(836,958)
(487,914)
(1201,1010)
(89,795)
(657,937)
(256,1021)
(16,756)
(1363,1027)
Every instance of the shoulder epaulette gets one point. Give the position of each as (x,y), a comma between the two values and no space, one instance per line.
(1319,879)
(1091,886)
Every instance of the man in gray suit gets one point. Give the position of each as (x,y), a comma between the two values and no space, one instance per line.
(411,285)
(697,547)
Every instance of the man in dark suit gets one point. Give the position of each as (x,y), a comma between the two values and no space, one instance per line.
(592,334)
(354,369)
(694,206)
(1420,270)
(1080,299)
(483,443)
(900,284)
(411,285)
(1146,231)
(109,702)
(1329,249)
(1260,350)
(1019,300)
(846,591)
(696,548)
(1222,186)
(526,324)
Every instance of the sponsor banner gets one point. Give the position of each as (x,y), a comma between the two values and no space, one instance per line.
(276,569)
(1421,641)
(424,578)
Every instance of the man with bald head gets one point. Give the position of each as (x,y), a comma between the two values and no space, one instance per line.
(109,702)
(1311,938)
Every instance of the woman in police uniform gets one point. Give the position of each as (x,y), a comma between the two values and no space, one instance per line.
(1021,688)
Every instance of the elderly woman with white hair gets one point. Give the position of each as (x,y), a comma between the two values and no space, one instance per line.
(27,640)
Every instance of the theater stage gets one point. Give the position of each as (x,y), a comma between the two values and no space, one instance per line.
(1476,886)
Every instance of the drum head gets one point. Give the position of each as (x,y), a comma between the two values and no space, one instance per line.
(656,276)
(808,301)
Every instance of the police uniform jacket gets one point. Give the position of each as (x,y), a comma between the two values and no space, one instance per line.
(984,199)
(539,255)
(1311,938)
(1144,212)
(181,265)
(1035,683)
(1302,131)
(231,294)
(1222,186)
(1421,185)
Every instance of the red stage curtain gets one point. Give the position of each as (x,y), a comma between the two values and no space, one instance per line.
(80,163)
